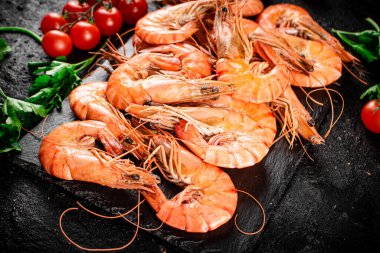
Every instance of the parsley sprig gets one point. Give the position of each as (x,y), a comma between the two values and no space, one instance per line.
(54,81)
(365,43)
(372,92)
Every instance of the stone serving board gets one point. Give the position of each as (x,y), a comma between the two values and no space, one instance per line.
(266,181)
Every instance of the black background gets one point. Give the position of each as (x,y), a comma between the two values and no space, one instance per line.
(331,204)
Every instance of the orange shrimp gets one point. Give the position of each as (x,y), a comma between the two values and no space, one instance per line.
(239,133)
(88,102)
(172,24)
(311,63)
(138,43)
(326,64)
(209,198)
(256,82)
(297,117)
(248,8)
(194,63)
(129,83)
(68,152)
(294,20)
(284,53)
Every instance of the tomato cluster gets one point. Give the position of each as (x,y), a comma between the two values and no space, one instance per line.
(82,23)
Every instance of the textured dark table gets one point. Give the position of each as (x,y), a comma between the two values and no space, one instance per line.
(331,204)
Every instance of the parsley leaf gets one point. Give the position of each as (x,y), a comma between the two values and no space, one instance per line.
(17,114)
(54,81)
(4,49)
(365,43)
(372,92)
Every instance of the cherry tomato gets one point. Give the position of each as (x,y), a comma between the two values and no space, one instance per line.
(85,36)
(371,116)
(73,10)
(56,43)
(109,21)
(52,21)
(132,11)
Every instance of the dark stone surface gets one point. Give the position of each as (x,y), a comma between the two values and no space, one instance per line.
(331,204)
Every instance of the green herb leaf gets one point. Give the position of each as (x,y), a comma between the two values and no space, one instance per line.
(362,49)
(54,81)
(4,49)
(367,54)
(365,43)
(18,114)
(372,92)
(9,136)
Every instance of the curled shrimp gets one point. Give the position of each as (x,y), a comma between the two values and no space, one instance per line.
(326,64)
(193,63)
(88,102)
(239,134)
(131,83)
(172,24)
(311,63)
(68,152)
(209,197)
(285,54)
(294,20)
(258,81)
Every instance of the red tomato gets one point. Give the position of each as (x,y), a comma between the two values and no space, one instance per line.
(85,35)
(109,21)
(132,11)
(73,10)
(52,21)
(371,116)
(56,43)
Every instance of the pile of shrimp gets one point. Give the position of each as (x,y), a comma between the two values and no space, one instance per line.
(206,88)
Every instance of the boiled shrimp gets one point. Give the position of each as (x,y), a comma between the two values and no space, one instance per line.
(284,53)
(194,63)
(311,63)
(248,8)
(131,83)
(294,20)
(239,133)
(326,64)
(172,24)
(88,102)
(209,197)
(256,82)
(68,152)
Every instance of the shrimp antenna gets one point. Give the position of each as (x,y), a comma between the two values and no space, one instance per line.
(98,249)
(262,211)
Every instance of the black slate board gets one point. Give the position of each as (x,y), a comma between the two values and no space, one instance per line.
(267,181)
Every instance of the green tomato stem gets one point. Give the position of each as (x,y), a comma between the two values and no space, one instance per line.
(373,23)
(22,30)
(84,64)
